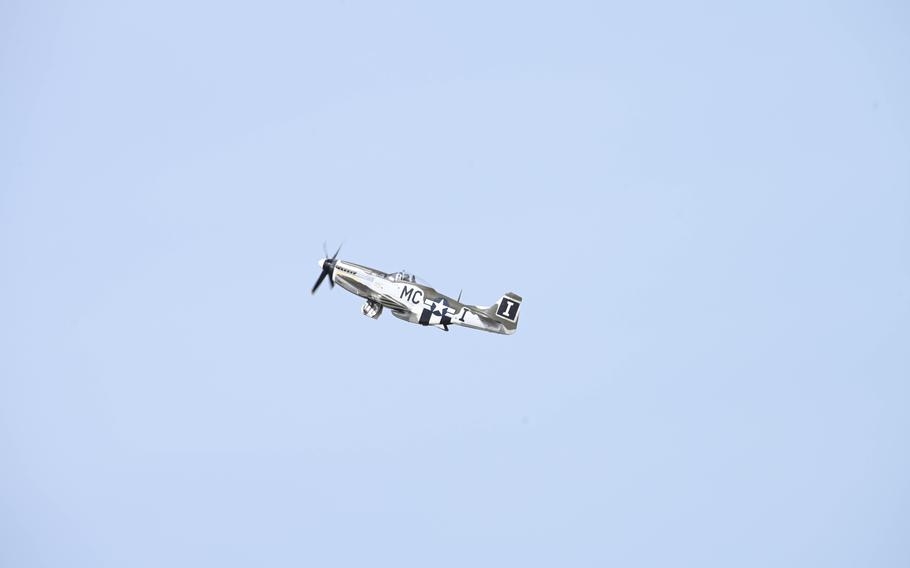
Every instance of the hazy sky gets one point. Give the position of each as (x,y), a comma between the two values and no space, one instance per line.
(706,208)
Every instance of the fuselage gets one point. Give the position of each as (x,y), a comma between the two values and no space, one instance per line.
(410,301)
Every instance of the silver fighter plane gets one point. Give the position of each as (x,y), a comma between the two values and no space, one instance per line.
(413,302)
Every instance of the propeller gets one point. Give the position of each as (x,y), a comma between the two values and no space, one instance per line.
(328,268)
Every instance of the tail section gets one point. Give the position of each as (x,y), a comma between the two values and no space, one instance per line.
(506,311)
(501,317)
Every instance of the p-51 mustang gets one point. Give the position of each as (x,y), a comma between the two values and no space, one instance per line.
(413,302)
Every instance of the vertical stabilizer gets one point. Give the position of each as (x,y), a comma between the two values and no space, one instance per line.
(506,311)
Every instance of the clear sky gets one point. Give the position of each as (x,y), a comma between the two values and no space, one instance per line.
(706,208)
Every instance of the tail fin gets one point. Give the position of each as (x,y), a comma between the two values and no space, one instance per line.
(506,310)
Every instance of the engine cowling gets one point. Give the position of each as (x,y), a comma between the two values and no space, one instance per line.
(371,309)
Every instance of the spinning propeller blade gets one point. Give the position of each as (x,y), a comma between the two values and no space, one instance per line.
(328,267)
(318,282)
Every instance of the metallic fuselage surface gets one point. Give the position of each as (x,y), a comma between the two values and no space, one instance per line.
(420,304)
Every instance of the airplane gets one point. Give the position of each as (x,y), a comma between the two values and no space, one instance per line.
(413,302)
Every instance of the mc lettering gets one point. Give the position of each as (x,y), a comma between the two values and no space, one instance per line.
(412,294)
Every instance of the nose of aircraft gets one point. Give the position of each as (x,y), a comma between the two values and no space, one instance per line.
(321,262)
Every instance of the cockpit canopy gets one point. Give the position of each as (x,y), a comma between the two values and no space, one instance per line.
(402,277)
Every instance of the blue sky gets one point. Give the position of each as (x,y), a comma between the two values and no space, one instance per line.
(706,208)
